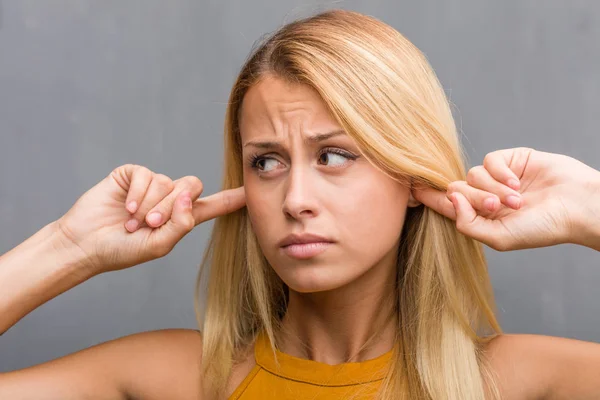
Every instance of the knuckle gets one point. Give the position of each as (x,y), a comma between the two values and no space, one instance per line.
(141,172)
(120,170)
(488,158)
(525,149)
(164,181)
(470,173)
(454,186)
(125,166)
(474,173)
(160,178)
(492,157)
(193,181)
(170,185)
(189,224)
(140,169)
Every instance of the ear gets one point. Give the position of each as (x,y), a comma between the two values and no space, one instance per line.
(412,202)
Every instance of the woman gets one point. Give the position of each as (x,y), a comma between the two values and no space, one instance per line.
(355,269)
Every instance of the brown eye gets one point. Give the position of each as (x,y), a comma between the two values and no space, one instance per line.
(263,162)
(335,156)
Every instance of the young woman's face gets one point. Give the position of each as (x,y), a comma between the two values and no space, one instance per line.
(296,183)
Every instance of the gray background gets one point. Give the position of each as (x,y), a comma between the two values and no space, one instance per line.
(86,86)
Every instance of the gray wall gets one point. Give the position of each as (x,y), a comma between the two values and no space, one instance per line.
(86,86)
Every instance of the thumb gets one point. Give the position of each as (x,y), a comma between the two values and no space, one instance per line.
(466,216)
(179,225)
(469,223)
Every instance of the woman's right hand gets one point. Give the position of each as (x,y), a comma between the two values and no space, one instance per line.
(97,224)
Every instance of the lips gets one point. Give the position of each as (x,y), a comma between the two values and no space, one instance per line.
(303,239)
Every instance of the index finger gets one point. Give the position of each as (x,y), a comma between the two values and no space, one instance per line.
(436,200)
(218,204)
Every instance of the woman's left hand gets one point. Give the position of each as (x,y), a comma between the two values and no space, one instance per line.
(554,199)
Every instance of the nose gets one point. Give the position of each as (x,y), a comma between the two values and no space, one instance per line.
(300,201)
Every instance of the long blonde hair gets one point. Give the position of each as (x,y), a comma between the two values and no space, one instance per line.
(383,92)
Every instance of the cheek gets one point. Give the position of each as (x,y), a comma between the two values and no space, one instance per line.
(259,211)
(373,213)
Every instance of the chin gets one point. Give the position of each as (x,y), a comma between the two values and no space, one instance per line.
(312,279)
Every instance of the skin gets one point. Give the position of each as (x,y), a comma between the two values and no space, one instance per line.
(335,297)
(305,192)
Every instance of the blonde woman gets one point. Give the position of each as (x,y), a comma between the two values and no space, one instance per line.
(346,259)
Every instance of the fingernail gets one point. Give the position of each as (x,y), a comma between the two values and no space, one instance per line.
(132,206)
(513,201)
(131,225)
(513,183)
(154,218)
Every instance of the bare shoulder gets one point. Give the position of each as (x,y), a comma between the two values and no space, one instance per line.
(545,367)
(149,365)
(163,364)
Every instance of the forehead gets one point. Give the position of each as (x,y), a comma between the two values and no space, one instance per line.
(274,105)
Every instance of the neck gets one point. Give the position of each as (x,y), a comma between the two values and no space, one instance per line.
(353,323)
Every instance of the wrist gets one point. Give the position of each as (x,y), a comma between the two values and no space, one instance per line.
(66,250)
(588,226)
(595,200)
(37,270)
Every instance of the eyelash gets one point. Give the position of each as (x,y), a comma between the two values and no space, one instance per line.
(253,159)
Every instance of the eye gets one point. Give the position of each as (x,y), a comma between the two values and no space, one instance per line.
(331,157)
(337,156)
(261,162)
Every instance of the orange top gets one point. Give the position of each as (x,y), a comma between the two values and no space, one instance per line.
(302,379)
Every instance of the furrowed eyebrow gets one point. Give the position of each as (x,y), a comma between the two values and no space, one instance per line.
(319,137)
